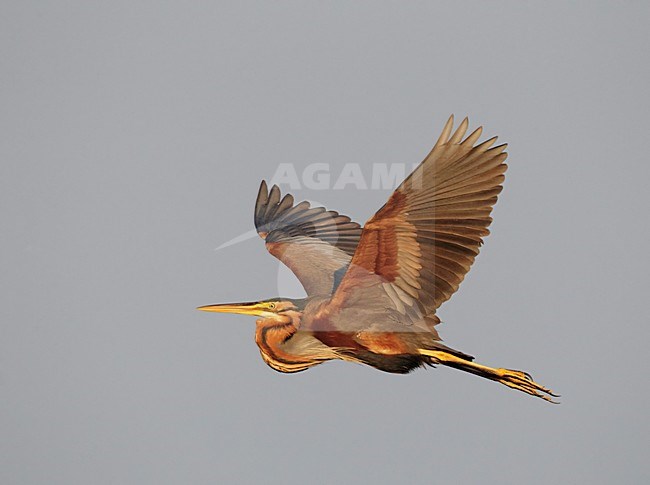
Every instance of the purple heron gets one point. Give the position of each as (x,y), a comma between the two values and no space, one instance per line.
(373,292)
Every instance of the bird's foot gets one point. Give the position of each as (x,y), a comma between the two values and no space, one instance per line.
(522,381)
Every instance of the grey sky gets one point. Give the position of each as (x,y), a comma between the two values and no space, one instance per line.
(134,138)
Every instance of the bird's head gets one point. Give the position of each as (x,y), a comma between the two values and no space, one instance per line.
(270,308)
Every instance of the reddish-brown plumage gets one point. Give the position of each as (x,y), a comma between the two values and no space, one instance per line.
(270,335)
(384,343)
(337,339)
(392,208)
(373,293)
(378,248)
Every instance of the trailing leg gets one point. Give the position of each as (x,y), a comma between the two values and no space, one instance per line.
(522,381)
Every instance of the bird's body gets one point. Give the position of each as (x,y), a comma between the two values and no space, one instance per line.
(373,292)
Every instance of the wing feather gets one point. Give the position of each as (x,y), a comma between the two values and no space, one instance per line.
(311,241)
(415,251)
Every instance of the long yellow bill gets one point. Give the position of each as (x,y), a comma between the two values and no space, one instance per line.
(257,309)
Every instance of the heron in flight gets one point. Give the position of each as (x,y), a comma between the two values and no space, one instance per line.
(373,292)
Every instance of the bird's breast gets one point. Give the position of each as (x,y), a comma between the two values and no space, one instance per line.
(286,350)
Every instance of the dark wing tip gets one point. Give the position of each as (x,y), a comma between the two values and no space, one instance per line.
(260,203)
(270,206)
(277,218)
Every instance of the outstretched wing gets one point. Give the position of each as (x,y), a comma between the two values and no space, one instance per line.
(415,251)
(312,242)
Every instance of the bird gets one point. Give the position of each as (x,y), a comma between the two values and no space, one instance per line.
(373,292)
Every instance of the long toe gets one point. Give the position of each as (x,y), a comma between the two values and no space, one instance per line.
(523,381)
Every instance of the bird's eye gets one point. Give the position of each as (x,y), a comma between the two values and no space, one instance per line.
(272,306)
